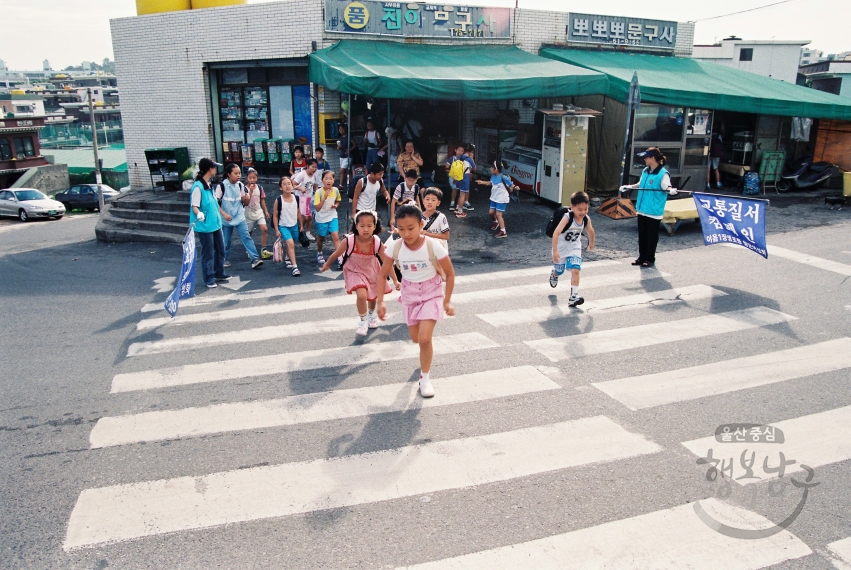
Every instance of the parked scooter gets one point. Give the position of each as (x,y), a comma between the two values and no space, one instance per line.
(804,173)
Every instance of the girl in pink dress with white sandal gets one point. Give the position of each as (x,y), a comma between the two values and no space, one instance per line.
(360,265)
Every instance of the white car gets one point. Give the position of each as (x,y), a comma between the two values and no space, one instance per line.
(28,203)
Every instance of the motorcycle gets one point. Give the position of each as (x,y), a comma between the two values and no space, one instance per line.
(804,173)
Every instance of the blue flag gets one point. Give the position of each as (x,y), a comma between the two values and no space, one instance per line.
(186,281)
(729,219)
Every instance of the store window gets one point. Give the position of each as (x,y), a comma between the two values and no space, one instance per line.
(659,124)
(5,150)
(24,147)
(262,103)
(746,54)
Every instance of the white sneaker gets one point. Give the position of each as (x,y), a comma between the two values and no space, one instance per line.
(426,389)
(372,320)
(310,236)
(362,328)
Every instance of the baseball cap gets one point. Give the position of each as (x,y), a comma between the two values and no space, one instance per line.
(206,164)
(654,152)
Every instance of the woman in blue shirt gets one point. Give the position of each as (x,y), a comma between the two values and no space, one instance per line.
(205,213)
(653,189)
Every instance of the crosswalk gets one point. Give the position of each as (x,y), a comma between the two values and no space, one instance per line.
(514,340)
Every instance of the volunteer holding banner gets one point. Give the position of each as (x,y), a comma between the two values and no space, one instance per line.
(653,189)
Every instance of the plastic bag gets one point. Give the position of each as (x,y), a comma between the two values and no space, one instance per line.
(278,251)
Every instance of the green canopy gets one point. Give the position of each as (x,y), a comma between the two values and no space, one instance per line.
(686,82)
(450,72)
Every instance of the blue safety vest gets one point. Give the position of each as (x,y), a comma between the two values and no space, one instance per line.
(210,207)
(652,202)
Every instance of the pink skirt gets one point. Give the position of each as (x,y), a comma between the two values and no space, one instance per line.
(361,272)
(422,301)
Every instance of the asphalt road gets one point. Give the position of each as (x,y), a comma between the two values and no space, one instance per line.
(316,454)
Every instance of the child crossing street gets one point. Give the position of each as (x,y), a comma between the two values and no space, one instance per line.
(501,185)
(567,244)
(357,254)
(421,260)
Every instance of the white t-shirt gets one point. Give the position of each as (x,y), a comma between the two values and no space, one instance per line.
(366,199)
(415,265)
(439,226)
(288,216)
(309,183)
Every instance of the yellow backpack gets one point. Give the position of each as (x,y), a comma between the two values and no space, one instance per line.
(457,168)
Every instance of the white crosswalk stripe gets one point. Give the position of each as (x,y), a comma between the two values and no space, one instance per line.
(315,407)
(806,259)
(671,539)
(156,503)
(331,285)
(613,304)
(291,362)
(813,440)
(657,333)
(841,549)
(124,512)
(482,295)
(250,335)
(641,392)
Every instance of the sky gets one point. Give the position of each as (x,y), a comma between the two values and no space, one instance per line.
(68,32)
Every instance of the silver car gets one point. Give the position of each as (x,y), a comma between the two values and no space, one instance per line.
(29,203)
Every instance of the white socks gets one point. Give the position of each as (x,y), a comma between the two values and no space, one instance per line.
(574,291)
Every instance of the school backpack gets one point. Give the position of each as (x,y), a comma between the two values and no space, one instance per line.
(350,248)
(556,219)
(457,168)
(350,193)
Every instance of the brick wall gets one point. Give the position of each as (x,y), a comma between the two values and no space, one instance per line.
(165,93)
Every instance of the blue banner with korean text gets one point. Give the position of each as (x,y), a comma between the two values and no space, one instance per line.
(186,280)
(730,219)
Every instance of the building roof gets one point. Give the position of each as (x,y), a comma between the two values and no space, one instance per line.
(686,82)
(81,160)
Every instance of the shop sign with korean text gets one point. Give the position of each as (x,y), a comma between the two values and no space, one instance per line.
(368,17)
(616,30)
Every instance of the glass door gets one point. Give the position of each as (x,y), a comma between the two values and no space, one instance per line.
(696,152)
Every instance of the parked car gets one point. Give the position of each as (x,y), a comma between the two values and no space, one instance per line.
(84,196)
(29,203)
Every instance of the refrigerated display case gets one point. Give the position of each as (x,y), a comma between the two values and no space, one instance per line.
(523,166)
(490,142)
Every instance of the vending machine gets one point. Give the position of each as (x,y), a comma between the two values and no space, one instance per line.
(564,152)
(523,166)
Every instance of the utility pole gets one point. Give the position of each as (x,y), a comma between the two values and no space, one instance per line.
(95,149)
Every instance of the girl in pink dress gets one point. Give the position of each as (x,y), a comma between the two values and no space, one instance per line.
(361,267)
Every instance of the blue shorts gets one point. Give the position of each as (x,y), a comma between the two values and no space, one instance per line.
(498,206)
(572,262)
(289,233)
(323,229)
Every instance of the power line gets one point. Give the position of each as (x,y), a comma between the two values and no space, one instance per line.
(743,11)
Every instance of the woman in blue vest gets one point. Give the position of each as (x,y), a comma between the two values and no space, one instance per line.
(653,189)
(204,213)
(234,197)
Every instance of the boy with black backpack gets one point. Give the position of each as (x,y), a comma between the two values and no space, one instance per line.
(566,228)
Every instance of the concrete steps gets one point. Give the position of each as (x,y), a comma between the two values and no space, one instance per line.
(145,216)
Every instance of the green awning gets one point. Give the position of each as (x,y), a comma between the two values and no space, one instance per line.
(454,72)
(686,82)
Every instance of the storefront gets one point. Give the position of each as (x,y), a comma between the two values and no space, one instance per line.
(683,101)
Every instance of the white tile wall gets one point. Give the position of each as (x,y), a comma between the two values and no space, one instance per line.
(165,96)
